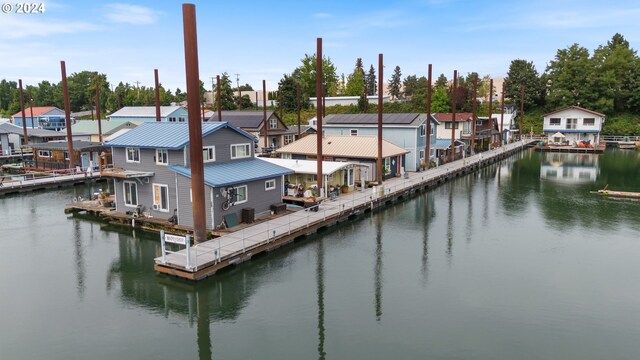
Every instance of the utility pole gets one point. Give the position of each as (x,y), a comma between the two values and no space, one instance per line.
(239,92)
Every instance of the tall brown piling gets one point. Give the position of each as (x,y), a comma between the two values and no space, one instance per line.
(521,109)
(265,126)
(319,110)
(504,88)
(473,112)
(452,154)
(427,150)
(98,112)
(490,108)
(155,74)
(380,90)
(24,116)
(195,123)
(219,107)
(67,115)
(298,106)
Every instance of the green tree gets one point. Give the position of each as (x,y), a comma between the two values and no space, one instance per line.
(306,75)
(394,83)
(7,90)
(522,72)
(287,88)
(615,69)
(442,81)
(570,80)
(440,101)
(227,99)
(410,85)
(356,81)
(371,81)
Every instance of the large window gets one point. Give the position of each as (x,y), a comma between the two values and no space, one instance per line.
(209,153)
(554,121)
(160,197)
(239,151)
(588,121)
(241,194)
(133,155)
(270,184)
(162,157)
(447,125)
(572,123)
(130,193)
(44,153)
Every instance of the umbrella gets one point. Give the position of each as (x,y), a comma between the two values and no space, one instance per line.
(558,134)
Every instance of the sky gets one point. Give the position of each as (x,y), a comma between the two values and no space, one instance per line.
(266,39)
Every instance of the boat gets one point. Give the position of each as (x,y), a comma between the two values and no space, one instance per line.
(617,194)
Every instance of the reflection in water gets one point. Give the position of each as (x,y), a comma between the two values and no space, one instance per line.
(569,168)
(79,258)
(204,330)
(320,284)
(469,228)
(378,267)
(428,216)
(450,223)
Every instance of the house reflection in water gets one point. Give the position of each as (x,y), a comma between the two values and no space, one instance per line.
(569,168)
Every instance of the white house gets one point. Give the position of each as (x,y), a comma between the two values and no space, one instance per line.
(148,114)
(347,100)
(574,124)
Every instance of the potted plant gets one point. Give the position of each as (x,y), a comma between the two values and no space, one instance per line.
(423,165)
(344,189)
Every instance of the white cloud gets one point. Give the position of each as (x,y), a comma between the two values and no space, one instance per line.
(131,14)
(15,27)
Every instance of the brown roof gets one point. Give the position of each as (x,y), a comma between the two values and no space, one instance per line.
(343,146)
(459,116)
(37,111)
(574,107)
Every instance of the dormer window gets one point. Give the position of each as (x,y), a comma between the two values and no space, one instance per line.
(273,123)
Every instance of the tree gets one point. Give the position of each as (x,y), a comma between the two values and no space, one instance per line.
(306,75)
(287,89)
(410,85)
(570,82)
(522,72)
(440,101)
(371,81)
(615,68)
(394,83)
(356,81)
(7,89)
(227,99)
(441,81)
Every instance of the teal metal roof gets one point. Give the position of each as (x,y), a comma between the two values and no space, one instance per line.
(442,144)
(167,135)
(236,172)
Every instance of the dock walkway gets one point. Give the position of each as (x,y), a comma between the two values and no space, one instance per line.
(8,186)
(208,257)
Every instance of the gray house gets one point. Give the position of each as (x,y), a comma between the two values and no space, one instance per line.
(253,123)
(405,130)
(151,167)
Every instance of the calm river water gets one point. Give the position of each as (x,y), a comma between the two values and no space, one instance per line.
(517,261)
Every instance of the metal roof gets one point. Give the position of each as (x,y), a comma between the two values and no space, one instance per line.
(242,119)
(31,132)
(442,144)
(459,116)
(144,111)
(343,146)
(308,166)
(90,127)
(37,111)
(63,145)
(387,119)
(167,135)
(575,108)
(236,172)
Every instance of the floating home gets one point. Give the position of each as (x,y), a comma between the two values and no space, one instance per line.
(41,117)
(573,125)
(13,138)
(148,114)
(55,155)
(151,168)
(87,130)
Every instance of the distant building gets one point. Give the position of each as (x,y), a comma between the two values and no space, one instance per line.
(574,124)
(405,130)
(148,114)
(55,154)
(348,100)
(44,117)
(253,123)
(87,130)
(151,167)
(14,136)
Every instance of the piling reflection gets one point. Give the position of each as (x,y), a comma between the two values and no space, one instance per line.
(378,267)
(320,285)
(450,223)
(79,258)
(428,215)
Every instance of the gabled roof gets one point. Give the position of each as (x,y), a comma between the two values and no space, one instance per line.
(90,127)
(37,111)
(144,111)
(31,132)
(575,108)
(303,129)
(364,147)
(167,135)
(447,116)
(442,144)
(235,172)
(372,119)
(243,119)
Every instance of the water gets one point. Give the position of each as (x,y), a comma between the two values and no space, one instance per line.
(517,261)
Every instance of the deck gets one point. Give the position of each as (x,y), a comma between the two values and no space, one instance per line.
(210,256)
(8,186)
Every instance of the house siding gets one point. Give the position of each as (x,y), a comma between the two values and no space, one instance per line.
(181,112)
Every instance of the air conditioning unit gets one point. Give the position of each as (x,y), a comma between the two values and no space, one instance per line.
(155,207)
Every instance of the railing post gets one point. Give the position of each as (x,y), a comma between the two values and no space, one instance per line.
(188,241)
(162,246)
(243,247)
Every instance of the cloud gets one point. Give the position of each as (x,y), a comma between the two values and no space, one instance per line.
(322,15)
(15,27)
(131,14)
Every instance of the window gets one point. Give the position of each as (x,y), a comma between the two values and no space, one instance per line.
(270,184)
(447,125)
(172,119)
(273,123)
(554,121)
(288,139)
(130,193)
(588,121)
(422,155)
(572,123)
(312,178)
(181,119)
(44,153)
(239,151)
(160,197)
(133,155)
(387,165)
(66,155)
(209,153)
(162,157)
(478,122)
(353,132)
(423,130)
(241,194)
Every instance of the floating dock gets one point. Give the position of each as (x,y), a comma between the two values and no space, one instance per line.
(206,258)
(571,149)
(8,184)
